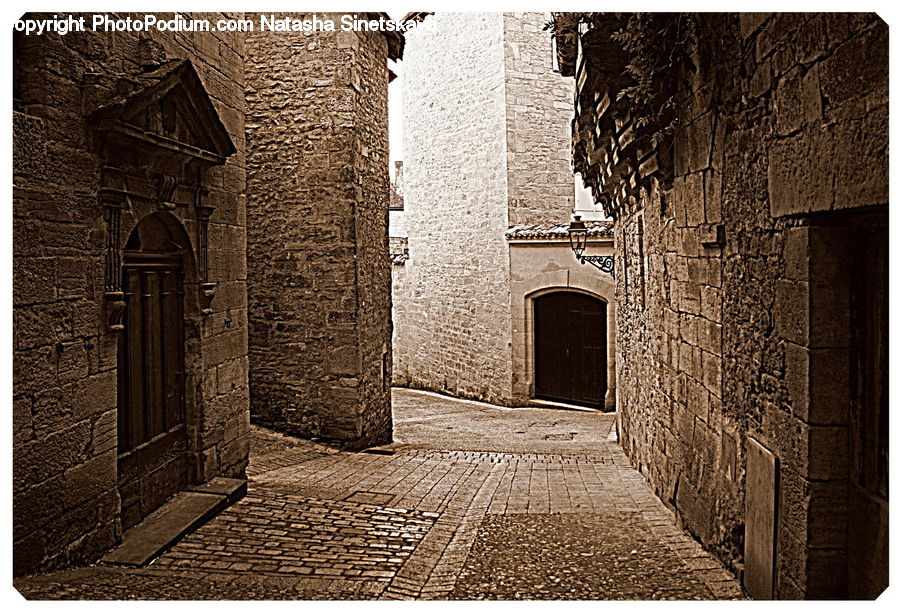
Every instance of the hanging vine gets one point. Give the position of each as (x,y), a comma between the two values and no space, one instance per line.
(657,46)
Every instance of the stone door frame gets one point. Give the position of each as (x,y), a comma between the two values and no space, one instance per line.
(590,283)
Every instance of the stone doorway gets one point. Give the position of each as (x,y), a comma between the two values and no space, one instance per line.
(152,436)
(570,348)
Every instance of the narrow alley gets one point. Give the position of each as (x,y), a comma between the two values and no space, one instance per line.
(450,305)
(472,501)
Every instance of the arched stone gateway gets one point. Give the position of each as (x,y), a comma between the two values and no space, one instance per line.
(530,290)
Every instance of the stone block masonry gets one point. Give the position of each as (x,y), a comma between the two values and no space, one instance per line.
(486,141)
(455,193)
(538,125)
(320,350)
(748,297)
(67,507)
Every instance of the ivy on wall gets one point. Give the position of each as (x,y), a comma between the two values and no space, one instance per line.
(657,46)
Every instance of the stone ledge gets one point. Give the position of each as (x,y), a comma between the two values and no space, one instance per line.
(184,513)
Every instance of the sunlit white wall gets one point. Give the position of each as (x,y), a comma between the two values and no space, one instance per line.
(584,202)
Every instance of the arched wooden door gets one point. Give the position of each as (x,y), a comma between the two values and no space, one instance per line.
(152,462)
(570,348)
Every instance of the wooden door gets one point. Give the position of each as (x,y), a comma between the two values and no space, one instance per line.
(570,348)
(151,415)
(869,428)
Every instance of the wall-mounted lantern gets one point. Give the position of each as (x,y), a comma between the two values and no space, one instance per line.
(578,237)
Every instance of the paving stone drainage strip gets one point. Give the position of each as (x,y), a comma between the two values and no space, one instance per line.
(284,535)
(519,458)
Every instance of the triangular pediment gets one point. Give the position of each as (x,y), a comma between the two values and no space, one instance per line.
(169,107)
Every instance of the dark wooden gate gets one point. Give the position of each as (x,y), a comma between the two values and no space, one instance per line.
(868,492)
(151,416)
(570,348)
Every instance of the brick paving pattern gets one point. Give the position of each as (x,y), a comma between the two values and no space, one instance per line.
(427,523)
(308,537)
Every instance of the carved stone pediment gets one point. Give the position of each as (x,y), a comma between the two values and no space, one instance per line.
(157,134)
(169,111)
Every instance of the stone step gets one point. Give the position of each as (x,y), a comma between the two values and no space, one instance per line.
(540,403)
(182,514)
(386,449)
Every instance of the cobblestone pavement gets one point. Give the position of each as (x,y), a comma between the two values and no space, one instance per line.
(471,502)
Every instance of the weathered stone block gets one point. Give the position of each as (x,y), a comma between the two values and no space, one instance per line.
(791,565)
(829,452)
(815,511)
(829,317)
(104,437)
(694,145)
(800,179)
(861,163)
(711,303)
(796,253)
(695,510)
(826,574)
(761,79)
(29,146)
(751,22)
(94,395)
(23,428)
(791,311)
(817,383)
(859,68)
(34,280)
(694,199)
(868,546)
(798,100)
(40,460)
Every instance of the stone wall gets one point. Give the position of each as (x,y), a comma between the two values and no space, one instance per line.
(66,507)
(734,301)
(538,125)
(452,330)
(318,184)
(486,145)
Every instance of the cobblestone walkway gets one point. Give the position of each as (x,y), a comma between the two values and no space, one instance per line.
(471,502)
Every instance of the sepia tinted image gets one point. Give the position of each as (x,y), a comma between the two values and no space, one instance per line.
(450,305)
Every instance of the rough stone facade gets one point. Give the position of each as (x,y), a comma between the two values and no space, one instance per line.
(751,298)
(486,146)
(318,182)
(70,182)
